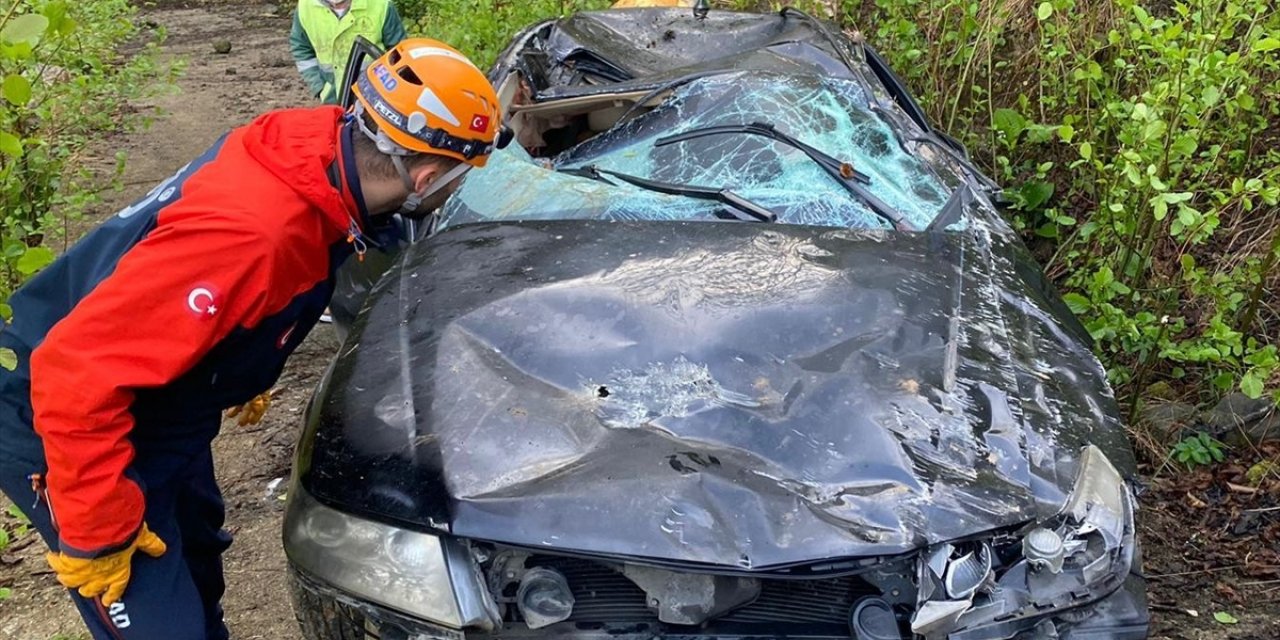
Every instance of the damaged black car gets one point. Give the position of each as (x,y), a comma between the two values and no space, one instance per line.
(731,344)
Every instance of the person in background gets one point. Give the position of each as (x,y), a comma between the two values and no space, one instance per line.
(324,31)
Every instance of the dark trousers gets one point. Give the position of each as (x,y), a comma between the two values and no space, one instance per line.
(176,596)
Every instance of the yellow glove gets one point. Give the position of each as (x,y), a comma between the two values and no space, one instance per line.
(106,576)
(252,411)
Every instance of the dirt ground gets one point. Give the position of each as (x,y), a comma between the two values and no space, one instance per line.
(1205,553)
(1212,544)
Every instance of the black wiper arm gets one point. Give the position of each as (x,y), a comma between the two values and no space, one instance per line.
(589,171)
(954,208)
(842,172)
(838,169)
(723,196)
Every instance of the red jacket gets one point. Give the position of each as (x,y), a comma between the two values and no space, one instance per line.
(181,305)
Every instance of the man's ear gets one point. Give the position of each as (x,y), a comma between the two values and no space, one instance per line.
(425,174)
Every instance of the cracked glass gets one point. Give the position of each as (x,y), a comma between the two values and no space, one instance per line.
(831,114)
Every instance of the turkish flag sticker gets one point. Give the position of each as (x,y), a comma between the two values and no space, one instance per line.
(203,301)
(480,123)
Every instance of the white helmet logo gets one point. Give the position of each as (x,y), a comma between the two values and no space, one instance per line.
(431,102)
(200,300)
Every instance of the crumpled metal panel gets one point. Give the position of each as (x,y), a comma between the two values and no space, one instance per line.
(653,46)
(732,394)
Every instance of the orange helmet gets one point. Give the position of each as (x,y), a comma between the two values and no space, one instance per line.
(426,97)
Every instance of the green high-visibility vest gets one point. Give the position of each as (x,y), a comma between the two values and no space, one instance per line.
(332,37)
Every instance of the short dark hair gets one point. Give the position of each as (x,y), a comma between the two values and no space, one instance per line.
(378,164)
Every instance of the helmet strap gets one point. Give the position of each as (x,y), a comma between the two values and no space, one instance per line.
(415,198)
(397,154)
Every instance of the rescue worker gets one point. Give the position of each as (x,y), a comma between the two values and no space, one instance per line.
(324,31)
(188,302)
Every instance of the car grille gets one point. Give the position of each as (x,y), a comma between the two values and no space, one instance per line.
(603,595)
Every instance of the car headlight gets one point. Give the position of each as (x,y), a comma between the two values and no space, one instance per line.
(419,574)
(1001,587)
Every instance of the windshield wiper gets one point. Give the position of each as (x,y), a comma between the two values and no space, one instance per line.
(838,169)
(954,208)
(842,172)
(723,196)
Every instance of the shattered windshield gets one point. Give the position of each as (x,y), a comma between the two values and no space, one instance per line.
(829,114)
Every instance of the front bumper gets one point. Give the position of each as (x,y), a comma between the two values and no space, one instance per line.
(1120,616)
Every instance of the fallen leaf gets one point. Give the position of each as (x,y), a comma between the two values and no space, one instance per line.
(1225,618)
(1227,591)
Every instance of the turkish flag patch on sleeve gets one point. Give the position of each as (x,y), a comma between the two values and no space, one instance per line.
(480,123)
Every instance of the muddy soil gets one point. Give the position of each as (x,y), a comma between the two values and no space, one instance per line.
(1211,542)
(1196,561)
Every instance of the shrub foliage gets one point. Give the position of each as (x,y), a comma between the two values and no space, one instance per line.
(68,70)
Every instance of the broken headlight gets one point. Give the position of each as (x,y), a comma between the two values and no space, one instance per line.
(419,574)
(998,588)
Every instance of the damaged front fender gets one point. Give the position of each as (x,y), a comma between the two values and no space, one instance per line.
(1081,558)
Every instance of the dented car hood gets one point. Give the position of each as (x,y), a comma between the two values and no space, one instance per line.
(728,394)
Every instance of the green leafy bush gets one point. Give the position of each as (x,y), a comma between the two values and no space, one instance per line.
(63,83)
